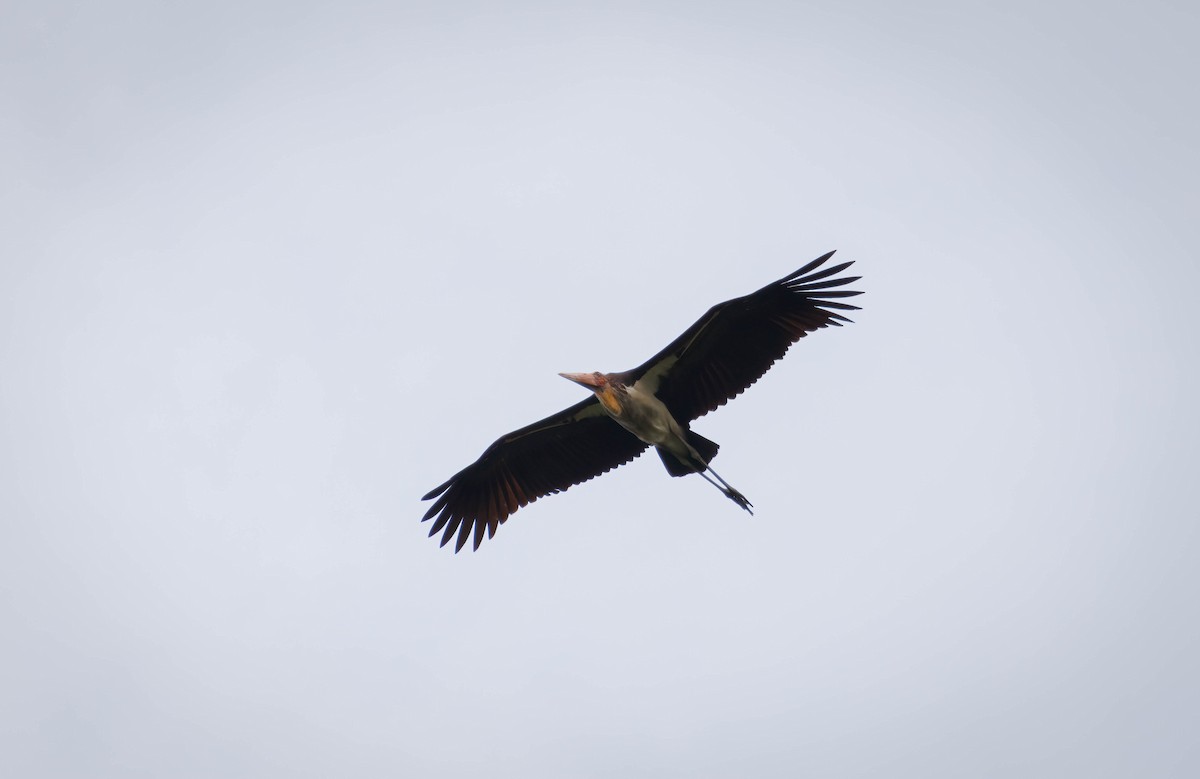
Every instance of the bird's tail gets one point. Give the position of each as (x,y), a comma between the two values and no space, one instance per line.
(705,448)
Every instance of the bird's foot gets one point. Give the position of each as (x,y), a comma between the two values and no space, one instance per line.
(739,499)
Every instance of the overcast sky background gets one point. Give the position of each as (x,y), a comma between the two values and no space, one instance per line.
(270,271)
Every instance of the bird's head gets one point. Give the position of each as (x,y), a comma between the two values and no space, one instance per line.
(607,390)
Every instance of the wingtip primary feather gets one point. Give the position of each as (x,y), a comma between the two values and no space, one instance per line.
(438,490)
(810,266)
(464,533)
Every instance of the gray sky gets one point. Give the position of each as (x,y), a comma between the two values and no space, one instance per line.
(271,271)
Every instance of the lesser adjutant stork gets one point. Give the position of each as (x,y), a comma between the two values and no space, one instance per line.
(714,360)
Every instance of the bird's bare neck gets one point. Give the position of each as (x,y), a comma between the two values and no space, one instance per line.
(611,397)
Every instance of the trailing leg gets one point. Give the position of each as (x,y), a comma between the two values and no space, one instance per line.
(729,491)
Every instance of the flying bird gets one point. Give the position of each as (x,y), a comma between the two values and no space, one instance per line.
(713,361)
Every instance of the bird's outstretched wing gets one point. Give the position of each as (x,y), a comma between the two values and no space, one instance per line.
(572,446)
(735,342)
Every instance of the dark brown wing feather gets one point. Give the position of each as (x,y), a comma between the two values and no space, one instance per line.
(572,446)
(734,344)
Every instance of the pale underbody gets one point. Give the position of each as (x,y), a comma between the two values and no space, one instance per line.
(648,418)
